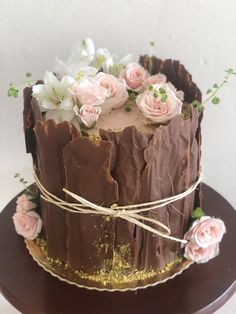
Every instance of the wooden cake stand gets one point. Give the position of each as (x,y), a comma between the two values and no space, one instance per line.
(201,289)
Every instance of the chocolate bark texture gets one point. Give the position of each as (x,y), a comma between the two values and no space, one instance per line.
(126,167)
(51,139)
(87,169)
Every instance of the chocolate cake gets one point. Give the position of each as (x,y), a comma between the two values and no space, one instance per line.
(120,161)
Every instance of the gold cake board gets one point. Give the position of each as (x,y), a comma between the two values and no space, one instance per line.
(70,276)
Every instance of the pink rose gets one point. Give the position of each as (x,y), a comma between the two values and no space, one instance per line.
(116,90)
(154,79)
(134,76)
(157,110)
(178,93)
(206,231)
(88,92)
(27,224)
(88,114)
(200,255)
(24,203)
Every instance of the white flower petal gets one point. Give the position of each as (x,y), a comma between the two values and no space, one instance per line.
(126,59)
(38,89)
(67,81)
(66,104)
(87,47)
(60,67)
(50,79)
(47,104)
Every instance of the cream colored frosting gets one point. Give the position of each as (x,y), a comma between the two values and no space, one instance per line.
(118,119)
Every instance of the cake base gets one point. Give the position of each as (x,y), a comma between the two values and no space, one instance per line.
(201,289)
(113,281)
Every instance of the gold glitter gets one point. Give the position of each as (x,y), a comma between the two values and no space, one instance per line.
(95,138)
(115,271)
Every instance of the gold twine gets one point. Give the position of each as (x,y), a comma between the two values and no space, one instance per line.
(126,212)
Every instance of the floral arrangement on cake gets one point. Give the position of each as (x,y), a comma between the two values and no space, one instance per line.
(93,83)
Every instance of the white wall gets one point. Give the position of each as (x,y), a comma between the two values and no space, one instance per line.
(202,34)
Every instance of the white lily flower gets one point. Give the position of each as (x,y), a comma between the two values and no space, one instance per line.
(81,57)
(119,64)
(104,59)
(54,97)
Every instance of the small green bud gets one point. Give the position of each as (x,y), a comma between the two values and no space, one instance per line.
(197,213)
(128,109)
(215,100)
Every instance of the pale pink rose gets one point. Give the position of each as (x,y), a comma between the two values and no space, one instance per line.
(199,254)
(206,231)
(156,110)
(88,92)
(178,93)
(134,76)
(88,114)
(27,224)
(154,79)
(24,203)
(116,89)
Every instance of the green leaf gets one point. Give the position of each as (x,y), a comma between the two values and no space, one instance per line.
(164,98)
(128,109)
(132,96)
(162,90)
(12,91)
(230,71)
(209,91)
(215,100)
(197,213)
(150,87)
(28,75)
(196,103)
(215,85)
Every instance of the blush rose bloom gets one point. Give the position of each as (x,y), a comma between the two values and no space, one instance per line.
(134,76)
(204,237)
(88,92)
(178,93)
(116,90)
(24,203)
(206,231)
(199,254)
(88,114)
(156,110)
(154,79)
(27,224)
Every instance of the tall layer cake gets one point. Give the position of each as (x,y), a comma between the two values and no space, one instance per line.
(122,161)
(122,141)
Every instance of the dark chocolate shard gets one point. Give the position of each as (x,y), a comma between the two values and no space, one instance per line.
(28,121)
(176,74)
(171,167)
(129,146)
(51,139)
(87,167)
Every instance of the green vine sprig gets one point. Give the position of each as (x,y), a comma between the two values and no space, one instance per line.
(197,213)
(27,190)
(13,91)
(158,93)
(212,92)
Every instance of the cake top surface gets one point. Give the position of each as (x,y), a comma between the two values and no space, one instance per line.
(94,90)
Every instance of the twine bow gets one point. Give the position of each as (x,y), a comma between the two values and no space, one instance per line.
(130,213)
